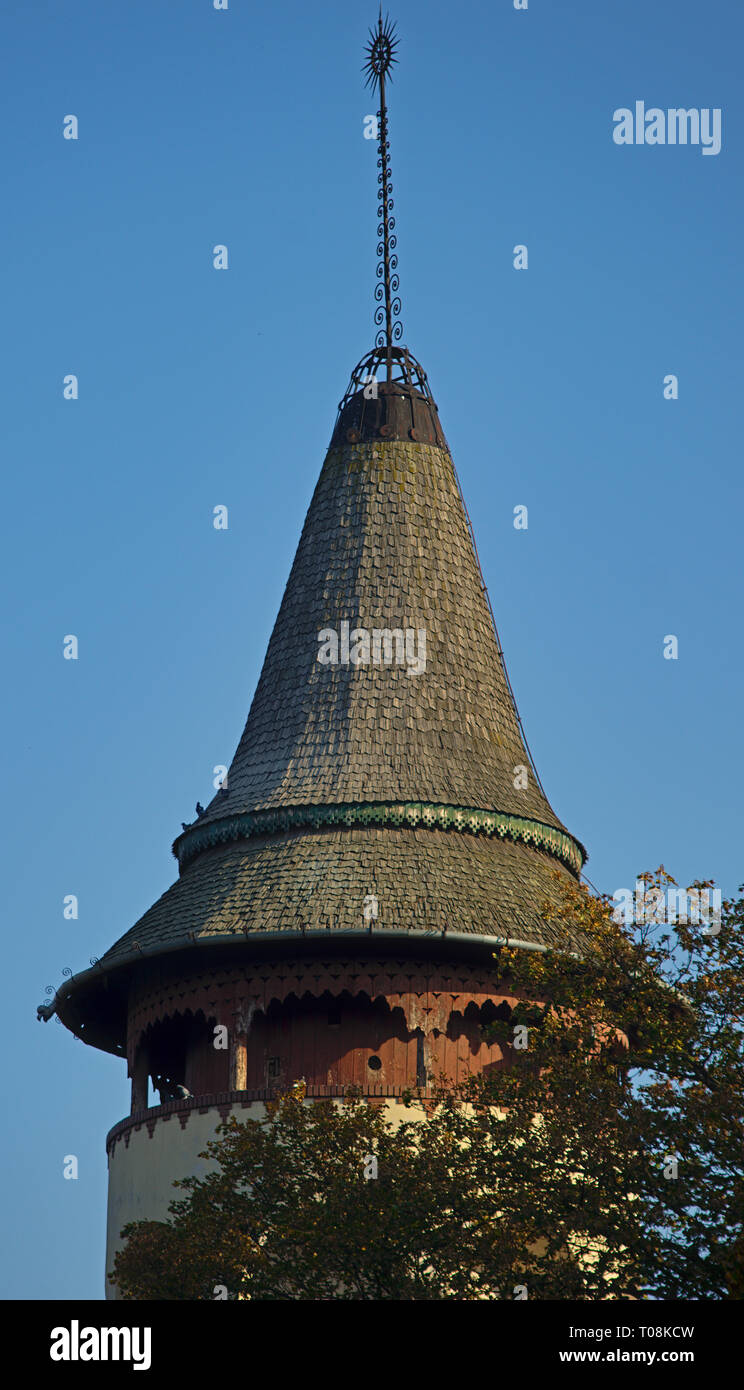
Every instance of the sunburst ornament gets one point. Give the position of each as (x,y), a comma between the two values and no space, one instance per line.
(380,51)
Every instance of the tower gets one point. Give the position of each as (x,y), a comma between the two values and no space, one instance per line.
(381,831)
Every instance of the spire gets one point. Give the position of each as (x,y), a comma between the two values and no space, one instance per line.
(387,555)
(380,59)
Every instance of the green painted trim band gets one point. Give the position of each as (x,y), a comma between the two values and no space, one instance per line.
(467,820)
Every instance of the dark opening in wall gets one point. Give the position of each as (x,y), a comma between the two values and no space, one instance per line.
(374,1063)
(167,1043)
(420,1060)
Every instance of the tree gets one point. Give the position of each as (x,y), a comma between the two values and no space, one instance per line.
(604,1159)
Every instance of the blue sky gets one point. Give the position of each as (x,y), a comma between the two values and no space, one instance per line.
(199,387)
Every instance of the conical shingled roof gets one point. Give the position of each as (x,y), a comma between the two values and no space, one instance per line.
(385,545)
(350,779)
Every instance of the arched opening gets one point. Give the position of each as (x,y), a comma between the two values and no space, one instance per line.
(178,1057)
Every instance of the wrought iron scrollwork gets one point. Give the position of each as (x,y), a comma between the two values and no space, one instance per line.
(380,59)
(46,1010)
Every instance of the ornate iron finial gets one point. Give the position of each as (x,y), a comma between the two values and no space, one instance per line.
(380,59)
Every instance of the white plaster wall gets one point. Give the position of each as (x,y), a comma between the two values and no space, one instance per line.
(141,1175)
(140,1186)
